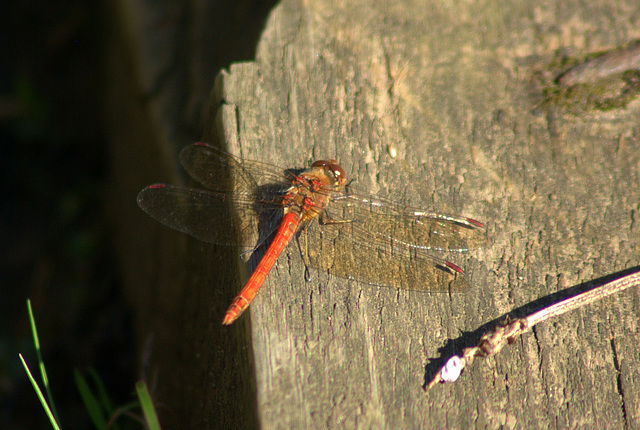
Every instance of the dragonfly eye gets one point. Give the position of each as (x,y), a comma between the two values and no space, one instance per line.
(334,169)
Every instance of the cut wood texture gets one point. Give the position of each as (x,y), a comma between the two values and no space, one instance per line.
(434,104)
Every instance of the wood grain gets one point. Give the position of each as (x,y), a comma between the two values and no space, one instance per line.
(448,90)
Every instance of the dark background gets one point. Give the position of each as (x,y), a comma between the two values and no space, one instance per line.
(55,226)
(54,230)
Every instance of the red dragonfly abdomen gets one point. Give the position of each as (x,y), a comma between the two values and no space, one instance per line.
(285,232)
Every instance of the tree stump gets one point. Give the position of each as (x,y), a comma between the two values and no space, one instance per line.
(433,105)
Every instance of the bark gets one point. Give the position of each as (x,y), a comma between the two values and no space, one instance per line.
(435,105)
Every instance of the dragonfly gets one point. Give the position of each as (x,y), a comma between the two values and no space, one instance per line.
(339,230)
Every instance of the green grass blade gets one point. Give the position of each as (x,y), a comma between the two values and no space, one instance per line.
(147,406)
(105,401)
(90,401)
(43,371)
(43,401)
(102,391)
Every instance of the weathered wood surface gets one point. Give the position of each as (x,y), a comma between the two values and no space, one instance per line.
(450,90)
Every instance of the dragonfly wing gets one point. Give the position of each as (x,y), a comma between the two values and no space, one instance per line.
(411,226)
(223,172)
(210,217)
(377,241)
(377,261)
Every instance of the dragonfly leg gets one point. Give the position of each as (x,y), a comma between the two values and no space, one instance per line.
(304,253)
(327,219)
(304,250)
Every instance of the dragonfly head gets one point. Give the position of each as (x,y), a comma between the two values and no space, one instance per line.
(333,171)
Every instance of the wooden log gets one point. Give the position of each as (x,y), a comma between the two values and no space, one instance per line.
(434,106)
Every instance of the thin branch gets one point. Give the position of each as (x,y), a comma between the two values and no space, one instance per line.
(506,332)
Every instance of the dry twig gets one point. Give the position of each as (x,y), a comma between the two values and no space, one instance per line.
(506,332)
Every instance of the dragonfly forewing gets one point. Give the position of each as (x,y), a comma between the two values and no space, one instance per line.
(222,172)
(381,261)
(410,226)
(211,217)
